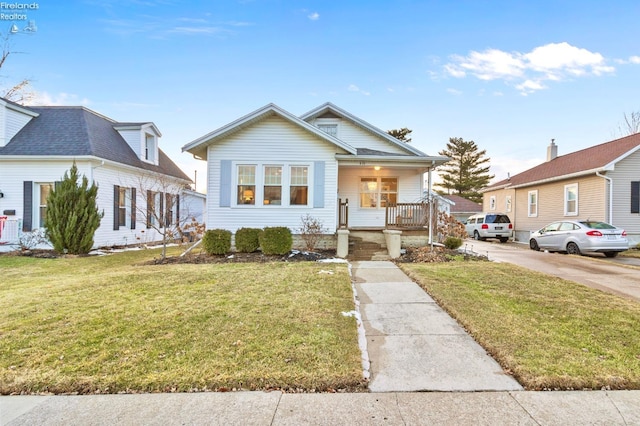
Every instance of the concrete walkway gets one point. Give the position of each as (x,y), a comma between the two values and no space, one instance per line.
(413,344)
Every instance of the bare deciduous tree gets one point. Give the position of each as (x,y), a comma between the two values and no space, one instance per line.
(631,124)
(158,205)
(20,92)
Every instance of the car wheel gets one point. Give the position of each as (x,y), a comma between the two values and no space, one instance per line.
(504,240)
(533,245)
(572,248)
(476,236)
(611,253)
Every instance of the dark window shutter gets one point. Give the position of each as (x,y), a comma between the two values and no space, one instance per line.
(133,208)
(167,209)
(149,208)
(116,207)
(161,212)
(635,197)
(27,204)
(178,209)
(318,184)
(225,183)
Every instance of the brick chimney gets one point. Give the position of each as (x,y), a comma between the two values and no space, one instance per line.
(552,150)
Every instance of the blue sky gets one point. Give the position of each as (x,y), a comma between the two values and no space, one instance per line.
(509,75)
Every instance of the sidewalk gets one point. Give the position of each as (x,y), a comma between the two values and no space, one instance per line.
(274,408)
(412,346)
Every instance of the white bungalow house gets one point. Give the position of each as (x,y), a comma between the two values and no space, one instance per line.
(270,168)
(39,144)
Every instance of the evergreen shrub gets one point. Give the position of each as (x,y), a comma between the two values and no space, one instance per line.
(248,239)
(276,240)
(217,241)
(452,243)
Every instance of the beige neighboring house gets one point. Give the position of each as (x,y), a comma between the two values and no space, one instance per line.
(597,183)
(462,208)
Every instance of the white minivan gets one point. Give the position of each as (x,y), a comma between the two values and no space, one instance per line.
(489,225)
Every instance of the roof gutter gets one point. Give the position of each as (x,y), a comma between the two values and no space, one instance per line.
(608,179)
(558,178)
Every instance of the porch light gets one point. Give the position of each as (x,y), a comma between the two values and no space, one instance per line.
(376,168)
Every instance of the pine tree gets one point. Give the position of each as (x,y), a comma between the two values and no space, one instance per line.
(72,214)
(467,172)
(402,134)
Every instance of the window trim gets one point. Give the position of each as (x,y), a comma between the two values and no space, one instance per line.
(508,204)
(567,189)
(258,196)
(529,203)
(492,203)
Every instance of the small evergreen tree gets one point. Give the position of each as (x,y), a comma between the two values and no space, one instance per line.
(401,134)
(72,214)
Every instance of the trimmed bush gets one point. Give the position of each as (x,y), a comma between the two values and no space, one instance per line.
(452,243)
(248,239)
(276,240)
(217,241)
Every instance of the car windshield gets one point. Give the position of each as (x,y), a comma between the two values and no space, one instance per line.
(497,218)
(597,225)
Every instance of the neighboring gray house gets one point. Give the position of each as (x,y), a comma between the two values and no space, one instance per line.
(462,208)
(39,144)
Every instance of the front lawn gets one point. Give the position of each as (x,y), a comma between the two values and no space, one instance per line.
(548,332)
(115,324)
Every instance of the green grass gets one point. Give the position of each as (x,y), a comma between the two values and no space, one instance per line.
(548,332)
(631,253)
(113,324)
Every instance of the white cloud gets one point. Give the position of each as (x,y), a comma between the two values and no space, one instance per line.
(527,72)
(314,16)
(60,99)
(454,92)
(634,59)
(354,88)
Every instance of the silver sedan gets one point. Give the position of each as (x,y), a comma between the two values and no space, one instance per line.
(576,237)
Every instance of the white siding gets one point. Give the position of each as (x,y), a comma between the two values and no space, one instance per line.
(274,141)
(409,191)
(134,140)
(14,173)
(10,123)
(626,171)
(359,138)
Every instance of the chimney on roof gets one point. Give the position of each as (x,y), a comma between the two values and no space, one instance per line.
(552,150)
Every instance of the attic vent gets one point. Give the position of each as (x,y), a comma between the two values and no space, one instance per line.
(331,129)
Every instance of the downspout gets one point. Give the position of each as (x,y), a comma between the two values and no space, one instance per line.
(610,219)
(430,206)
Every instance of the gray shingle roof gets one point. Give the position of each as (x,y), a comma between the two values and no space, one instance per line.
(77,131)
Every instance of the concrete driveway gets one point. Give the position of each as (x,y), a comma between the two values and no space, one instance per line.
(618,276)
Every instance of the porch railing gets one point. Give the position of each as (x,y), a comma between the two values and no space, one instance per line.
(343,213)
(407,215)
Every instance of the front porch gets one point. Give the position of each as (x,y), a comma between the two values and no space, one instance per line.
(401,216)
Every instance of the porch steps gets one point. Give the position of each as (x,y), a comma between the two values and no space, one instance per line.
(360,249)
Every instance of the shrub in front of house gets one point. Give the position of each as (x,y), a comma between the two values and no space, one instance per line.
(248,239)
(217,241)
(452,243)
(276,240)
